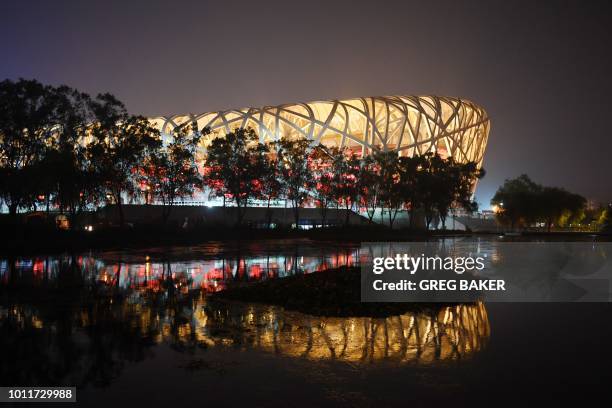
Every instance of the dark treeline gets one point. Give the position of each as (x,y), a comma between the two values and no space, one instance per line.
(521,203)
(64,150)
(243,169)
(60,147)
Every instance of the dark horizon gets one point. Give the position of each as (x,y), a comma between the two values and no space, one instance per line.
(539,70)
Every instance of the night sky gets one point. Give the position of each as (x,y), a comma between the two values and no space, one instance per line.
(541,70)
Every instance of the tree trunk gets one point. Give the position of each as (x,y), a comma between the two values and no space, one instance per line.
(347,216)
(411,219)
(166,210)
(269,214)
(323,214)
(120,209)
(238,213)
(72,219)
(371,214)
(296,214)
(12,209)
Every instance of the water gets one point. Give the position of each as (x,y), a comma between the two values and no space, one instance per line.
(137,327)
(209,267)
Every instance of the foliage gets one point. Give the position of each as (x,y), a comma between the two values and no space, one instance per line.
(234,168)
(323,192)
(25,132)
(297,178)
(120,144)
(171,173)
(369,184)
(345,188)
(522,202)
(390,189)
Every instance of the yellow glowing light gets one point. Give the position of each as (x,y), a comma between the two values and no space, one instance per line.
(410,125)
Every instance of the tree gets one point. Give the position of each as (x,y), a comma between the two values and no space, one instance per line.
(171,172)
(296,175)
(390,195)
(232,168)
(369,183)
(25,130)
(120,143)
(66,174)
(522,201)
(270,184)
(516,201)
(560,207)
(433,189)
(458,182)
(409,191)
(604,221)
(345,187)
(322,164)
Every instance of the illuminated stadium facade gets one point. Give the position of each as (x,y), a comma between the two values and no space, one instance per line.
(411,125)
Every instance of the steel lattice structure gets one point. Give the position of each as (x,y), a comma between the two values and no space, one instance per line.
(412,125)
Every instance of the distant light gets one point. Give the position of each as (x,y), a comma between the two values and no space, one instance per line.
(89,228)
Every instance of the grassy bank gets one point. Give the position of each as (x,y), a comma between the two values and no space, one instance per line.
(336,292)
(27,240)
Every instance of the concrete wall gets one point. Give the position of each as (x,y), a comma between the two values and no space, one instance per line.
(225,216)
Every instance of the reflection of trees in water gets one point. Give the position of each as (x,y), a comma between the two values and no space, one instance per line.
(211,274)
(70,333)
(451,332)
(76,330)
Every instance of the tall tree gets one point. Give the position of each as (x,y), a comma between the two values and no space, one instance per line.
(430,184)
(369,184)
(120,143)
(457,183)
(522,202)
(390,193)
(322,165)
(232,168)
(68,175)
(345,186)
(296,175)
(26,128)
(558,206)
(270,184)
(171,172)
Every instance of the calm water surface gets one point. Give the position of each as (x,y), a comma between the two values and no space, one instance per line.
(137,327)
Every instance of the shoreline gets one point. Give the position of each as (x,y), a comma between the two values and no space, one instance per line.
(36,240)
(29,241)
(330,293)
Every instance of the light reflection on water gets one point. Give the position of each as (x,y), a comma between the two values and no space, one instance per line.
(451,332)
(78,319)
(90,343)
(211,271)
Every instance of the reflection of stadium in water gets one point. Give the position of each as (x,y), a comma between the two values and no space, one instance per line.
(110,312)
(211,266)
(190,322)
(450,332)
